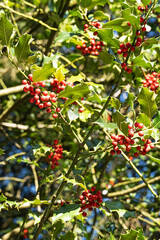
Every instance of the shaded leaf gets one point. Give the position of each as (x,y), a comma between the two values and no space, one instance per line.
(57,228)
(6,29)
(130,99)
(22,49)
(156,120)
(2,198)
(147,102)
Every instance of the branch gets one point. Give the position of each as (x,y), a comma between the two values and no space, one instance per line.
(140,174)
(15,231)
(29,17)
(133,189)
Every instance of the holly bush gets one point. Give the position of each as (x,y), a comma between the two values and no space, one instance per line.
(80,119)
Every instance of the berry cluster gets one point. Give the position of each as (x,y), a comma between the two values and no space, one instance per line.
(42,97)
(55,154)
(90,199)
(128,47)
(126,143)
(142,8)
(151,81)
(95,46)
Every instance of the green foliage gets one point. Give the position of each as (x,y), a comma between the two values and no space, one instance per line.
(147,102)
(6,29)
(43,73)
(22,49)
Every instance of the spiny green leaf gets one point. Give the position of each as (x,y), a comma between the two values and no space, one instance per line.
(76,78)
(57,228)
(79,90)
(117,25)
(104,124)
(147,102)
(132,235)
(73,181)
(43,73)
(143,118)
(22,49)
(2,198)
(6,29)
(130,99)
(66,213)
(141,61)
(106,35)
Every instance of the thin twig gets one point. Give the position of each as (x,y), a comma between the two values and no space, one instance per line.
(28,17)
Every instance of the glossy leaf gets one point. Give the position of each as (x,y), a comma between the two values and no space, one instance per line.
(105,125)
(43,73)
(97,3)
(132,235)
(145,2)
(119,208)
(117,25)
(79,90)
(66,213)
(59,74)
(22,49)
(84,3)
(106,35)
(147,102)
(141,62)
(129,17)
(99,15)
(143,118)
(6,29)
(118,118)
(73,114)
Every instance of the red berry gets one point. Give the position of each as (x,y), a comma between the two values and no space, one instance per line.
(58,109)
(84,214)
(119,51)
(112,152)
(123,65)
(140,133)
(128,45)
(55,115)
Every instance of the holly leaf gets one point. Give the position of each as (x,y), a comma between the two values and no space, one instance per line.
(79,90)
(106,35)
(57,228)
(2,198)
(99,15)
(130,99)
(141,61)
(117,25)
(132,19)
(22,49)
(132,235)
(156,120)
(117,206)
(43,73)
(105,125)
(6,29)
(66,213)
(84,3)
(145,2)
(143,118)
(59,75)
(146,99)
(73,114)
